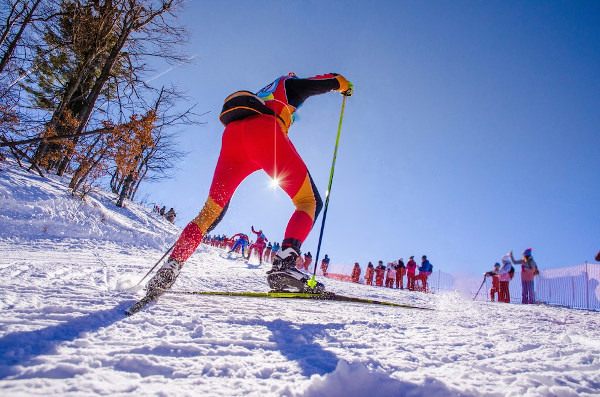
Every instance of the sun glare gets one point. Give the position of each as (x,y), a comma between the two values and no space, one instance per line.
(274,183)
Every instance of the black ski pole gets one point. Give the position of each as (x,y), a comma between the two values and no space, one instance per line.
(312,282)
(153,267)
(483,282)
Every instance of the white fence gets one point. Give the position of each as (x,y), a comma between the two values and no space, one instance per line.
(575,287)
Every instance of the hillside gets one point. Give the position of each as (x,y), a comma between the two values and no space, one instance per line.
(68,269)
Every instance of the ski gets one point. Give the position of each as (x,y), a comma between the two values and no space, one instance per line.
(298,295)
(139,305)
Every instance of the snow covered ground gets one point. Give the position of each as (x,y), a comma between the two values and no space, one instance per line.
(66,266)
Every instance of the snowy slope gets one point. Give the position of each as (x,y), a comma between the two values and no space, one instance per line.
(65,265)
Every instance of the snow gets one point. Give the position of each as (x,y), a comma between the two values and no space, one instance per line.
(66,266)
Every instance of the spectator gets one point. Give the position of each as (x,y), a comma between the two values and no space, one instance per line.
(597,257)
(155,209)
(390,275)
(274,250)
(411,267)
(379,274)
(495,282)
(529,270)
(307,260)
(259,245)
(504,276)
(325,265)
(162,210)
(355,277)
(170,215)
(424,271)
(369,274)
(400,272)
(268,252)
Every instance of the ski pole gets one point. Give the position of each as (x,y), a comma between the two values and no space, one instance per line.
(312,283)
(483,282)
(153,267)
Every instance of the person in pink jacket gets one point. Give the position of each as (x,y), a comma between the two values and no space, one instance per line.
(504,277)
(529,270)
(411,268)
(390,275)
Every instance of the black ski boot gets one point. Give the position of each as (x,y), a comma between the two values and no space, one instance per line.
(164,278)
(284,276)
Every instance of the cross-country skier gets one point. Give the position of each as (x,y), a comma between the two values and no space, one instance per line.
(259,244)
(256,137)
(242,242)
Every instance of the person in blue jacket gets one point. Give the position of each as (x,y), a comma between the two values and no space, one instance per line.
(424,271)
(242,241)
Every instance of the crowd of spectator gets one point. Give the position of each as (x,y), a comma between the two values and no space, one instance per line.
(503,273)
(169,215)
(392,275)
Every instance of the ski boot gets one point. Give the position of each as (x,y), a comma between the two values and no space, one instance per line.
(284,277)
(164,278)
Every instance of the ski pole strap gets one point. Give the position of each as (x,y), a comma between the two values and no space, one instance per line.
(312,282)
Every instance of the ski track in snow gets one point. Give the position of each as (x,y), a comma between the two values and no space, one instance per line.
(63,290)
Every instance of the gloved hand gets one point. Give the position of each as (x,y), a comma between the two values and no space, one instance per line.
(349,91)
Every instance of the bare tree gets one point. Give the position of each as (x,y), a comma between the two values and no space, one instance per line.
(109,41)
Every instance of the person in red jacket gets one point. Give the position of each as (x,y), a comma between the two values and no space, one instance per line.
(355,277)
(411,269)
(379,274)
(369,274)
(256,137)
(259,245)
(495,290)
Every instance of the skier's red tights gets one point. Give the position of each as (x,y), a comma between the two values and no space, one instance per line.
(251,144)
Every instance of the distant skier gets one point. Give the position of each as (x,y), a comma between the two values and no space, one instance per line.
(256,137)
(355,276)
(325,265)
(369,274)
(259,245)
(268,252)
(241,243)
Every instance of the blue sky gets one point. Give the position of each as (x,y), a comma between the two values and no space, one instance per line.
(473,131)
